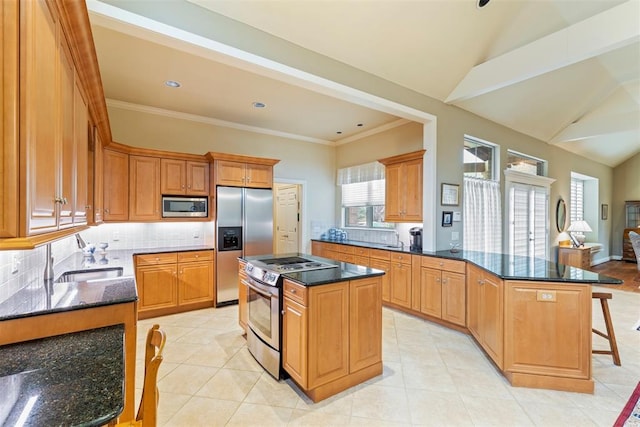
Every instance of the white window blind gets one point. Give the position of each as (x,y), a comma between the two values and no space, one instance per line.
(369,193)
(576,207)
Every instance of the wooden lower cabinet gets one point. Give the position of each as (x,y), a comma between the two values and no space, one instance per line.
(243,313)
(380,264)
(576,257)
(556,321)
(400,280)
(334,341)
(485,313)
(174,282)
(443,295)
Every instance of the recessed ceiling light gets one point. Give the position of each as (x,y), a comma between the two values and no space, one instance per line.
(172,83)
(482,3)
(339,132)
(360,125)
(259,104)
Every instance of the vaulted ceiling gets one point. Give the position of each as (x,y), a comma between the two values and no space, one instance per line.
(562,71)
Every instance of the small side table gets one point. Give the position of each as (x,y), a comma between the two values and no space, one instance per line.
(575,257)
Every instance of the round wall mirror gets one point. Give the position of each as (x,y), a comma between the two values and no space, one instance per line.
(561,215)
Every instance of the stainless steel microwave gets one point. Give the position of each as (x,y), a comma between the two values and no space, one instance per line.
(185,207)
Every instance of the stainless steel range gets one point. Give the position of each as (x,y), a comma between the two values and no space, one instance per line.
(264,305)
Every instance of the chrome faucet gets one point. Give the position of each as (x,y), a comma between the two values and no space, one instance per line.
(80,241)
(48,267)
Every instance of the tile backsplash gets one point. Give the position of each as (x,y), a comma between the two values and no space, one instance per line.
(30,263)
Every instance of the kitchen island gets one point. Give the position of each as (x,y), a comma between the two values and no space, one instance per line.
(331,325)
(531,317)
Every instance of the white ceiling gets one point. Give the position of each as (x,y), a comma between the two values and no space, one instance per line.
(562,71)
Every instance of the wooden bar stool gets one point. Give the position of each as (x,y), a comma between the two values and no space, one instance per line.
(610,335)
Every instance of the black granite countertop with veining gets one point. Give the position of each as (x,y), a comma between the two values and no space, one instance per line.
(71,379)
(342,272)
(507,267)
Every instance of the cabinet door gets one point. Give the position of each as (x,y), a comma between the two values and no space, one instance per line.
(172,176)
(474,282)
(157,287)
(259,176)
(294,341)
(401,284)
(98,179)
(116,186)
(431,292)
(454,298)
(81,137)
(39,113)
(328,335)
(9,106)
(65,191)
(412,191)
(394,193)
(197,178)
(365,323)
(195,282)
(230,173)
(385,266)
(242,296)
(492,317)
(144,188)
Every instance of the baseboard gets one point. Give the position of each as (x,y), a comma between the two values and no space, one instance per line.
(606,259)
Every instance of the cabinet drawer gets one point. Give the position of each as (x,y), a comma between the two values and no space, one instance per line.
(155,259)
(351,259)
(444,264)
(295,292)
(361,251)
(401,257)
(379,254)
(345,249)
(195,256)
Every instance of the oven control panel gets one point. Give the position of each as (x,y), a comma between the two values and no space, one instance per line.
(262,275)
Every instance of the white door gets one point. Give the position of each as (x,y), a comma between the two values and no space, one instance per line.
(528,219)
(287,218)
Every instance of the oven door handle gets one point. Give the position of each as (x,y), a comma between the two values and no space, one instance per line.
(260,288)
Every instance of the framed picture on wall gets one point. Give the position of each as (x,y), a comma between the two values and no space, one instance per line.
(449,196)
(447,219)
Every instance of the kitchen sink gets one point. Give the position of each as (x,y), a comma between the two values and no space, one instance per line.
(92,274)
(393,246)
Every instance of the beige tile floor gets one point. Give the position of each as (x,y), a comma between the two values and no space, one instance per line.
(432,376)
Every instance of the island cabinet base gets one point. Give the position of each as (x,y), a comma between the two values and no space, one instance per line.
(547,335)
(332,335)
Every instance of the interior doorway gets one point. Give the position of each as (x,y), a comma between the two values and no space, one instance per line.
(287,217)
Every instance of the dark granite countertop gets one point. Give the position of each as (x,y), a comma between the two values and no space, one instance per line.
(343,271)
(71,379)
(507,267)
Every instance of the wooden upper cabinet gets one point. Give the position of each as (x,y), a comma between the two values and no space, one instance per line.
(81,137)
(403,177)
(242,171)
(116,186)
(9,107)
(238,174)
(144,188)
(180,177)
(98,179)
(39,111)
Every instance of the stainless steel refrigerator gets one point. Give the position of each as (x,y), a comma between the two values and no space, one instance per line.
(244,226)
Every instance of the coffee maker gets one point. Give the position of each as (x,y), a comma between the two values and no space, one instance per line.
(415,237)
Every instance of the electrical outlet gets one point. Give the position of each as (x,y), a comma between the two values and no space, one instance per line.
(196,233)
(15,263)
(455,235)
(115,236)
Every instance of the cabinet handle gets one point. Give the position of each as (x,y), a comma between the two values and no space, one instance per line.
(106,210)
(283,312)
(293,291)
(444,281)
(441,264)
(437,279)
(197,256)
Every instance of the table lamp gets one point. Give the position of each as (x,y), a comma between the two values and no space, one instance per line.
(578,227)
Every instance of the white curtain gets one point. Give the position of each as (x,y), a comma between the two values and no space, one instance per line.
(482,215)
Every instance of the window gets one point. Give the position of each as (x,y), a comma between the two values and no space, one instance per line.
(482,227)
(363,191)
(576,207)
(527,164)
(479,159)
